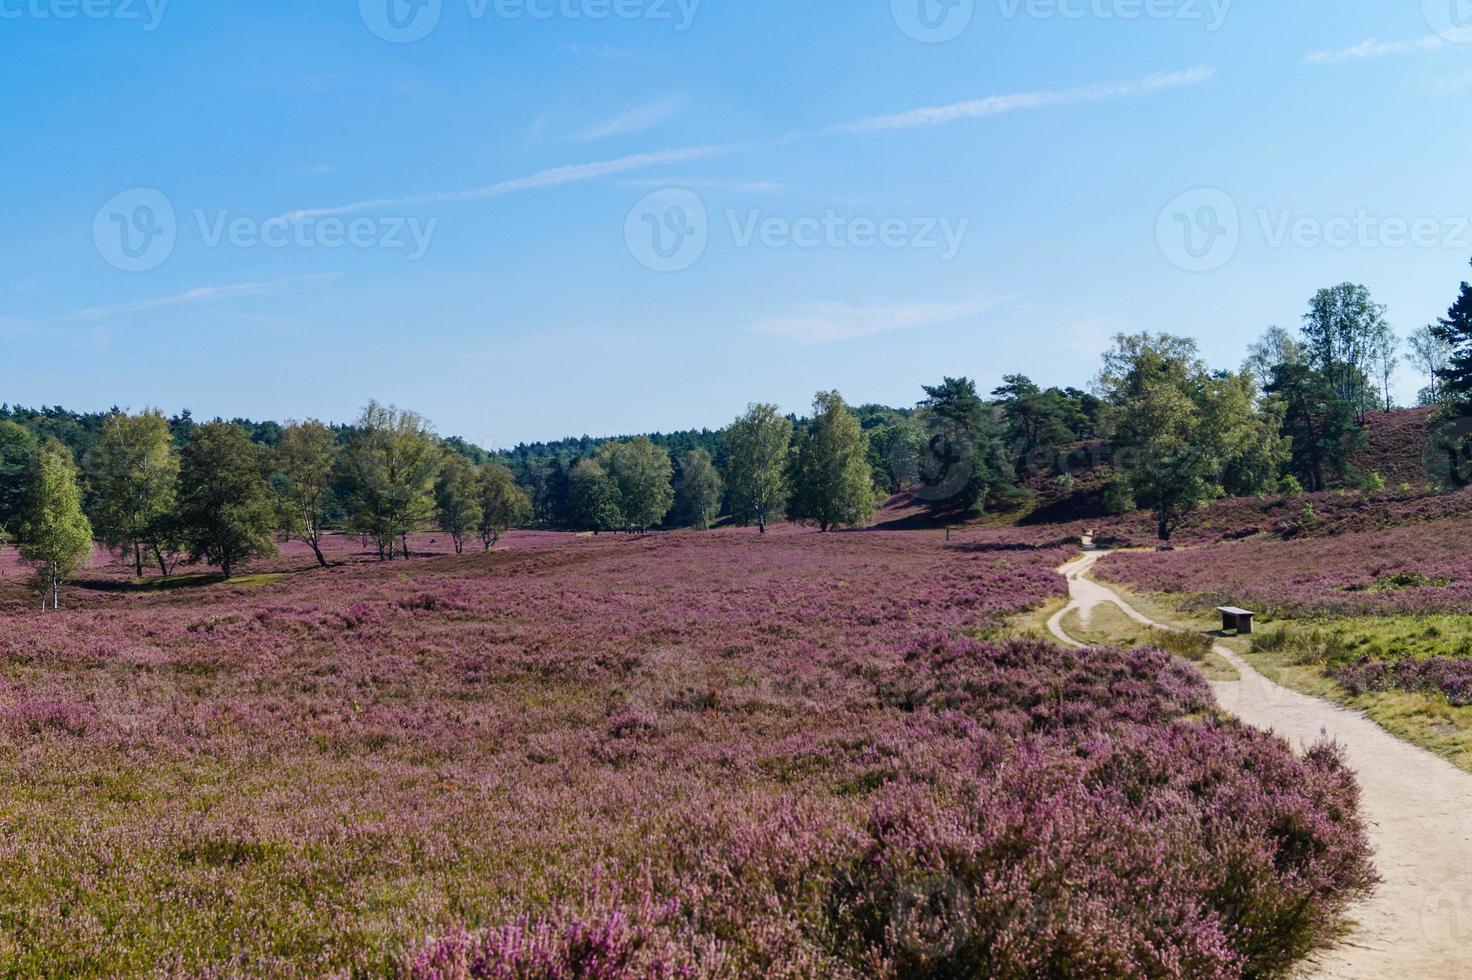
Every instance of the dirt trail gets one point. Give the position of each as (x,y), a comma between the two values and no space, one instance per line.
(1418,808)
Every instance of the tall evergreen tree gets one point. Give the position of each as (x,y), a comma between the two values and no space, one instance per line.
(966,459)
(1319,423)
(225,508)
(1455,331)
(55,536)
(17,446)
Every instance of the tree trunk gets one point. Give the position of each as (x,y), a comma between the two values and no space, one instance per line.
(158,556)
(55,592)
(316,543)
(138,558)
(226,567)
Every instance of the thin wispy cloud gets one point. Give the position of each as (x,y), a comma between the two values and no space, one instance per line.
(555,177)
(707,184)
(202,294)
(826,323)
(998,105)
(935,115)
(635,120)
(1367,50)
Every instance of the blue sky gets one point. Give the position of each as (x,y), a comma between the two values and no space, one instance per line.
(279,209)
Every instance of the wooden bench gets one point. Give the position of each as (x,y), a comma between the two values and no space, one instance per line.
(1236,619)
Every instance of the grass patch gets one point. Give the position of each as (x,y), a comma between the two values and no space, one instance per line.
(1030,625)
(1302,654)
(1108,625)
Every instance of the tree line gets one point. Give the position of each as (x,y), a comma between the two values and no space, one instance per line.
(1174,433)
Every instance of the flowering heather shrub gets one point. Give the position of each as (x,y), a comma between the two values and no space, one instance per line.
(683,755)
(1448,676)
(1425,568)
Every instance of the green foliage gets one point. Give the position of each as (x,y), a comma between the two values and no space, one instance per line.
(966,458)
(641,472)
(503,504)
(1318,421)
(457,499)
(1289,486)
(55,536)
(306,454)
(1343,332)
(593,498)
(1454,333)
(832,481)
(134,475)
(1039,424)
(391,463)
(225,510)
(698,498)
(1183,433)
(757,445)
(17,445)
(896,447)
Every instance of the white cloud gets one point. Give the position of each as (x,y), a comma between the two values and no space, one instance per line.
(634,120)
(824,323)
(707,184)
(1374,49)
(574,173)
(202,294)
(997,105)
(555,177)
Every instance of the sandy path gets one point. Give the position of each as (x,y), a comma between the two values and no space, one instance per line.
(1418,807)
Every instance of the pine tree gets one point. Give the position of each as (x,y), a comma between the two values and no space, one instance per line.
(1455,330)
(56,537)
